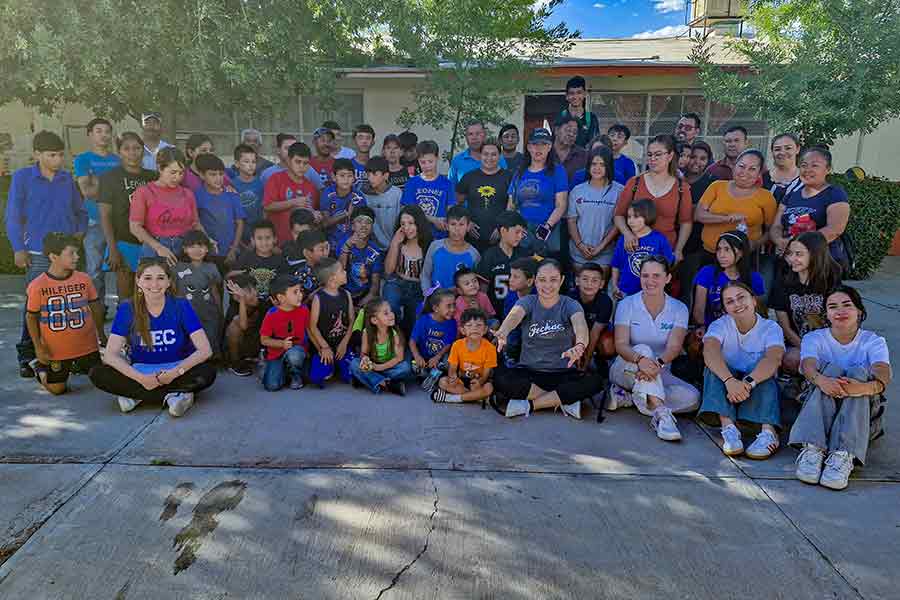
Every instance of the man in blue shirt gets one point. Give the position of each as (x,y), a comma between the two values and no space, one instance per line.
(88,167)
(470,158)
(42,198)
(151,124)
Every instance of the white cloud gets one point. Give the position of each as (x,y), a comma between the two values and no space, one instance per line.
(667,31)
(667,6)
(599,5)
(539,4)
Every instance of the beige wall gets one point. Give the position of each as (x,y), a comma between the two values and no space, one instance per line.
(879,155)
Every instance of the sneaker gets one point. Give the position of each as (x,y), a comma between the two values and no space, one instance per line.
(397,387)
(838,466)
(731,441)
(25,371)
(431,380)
(663,422)
(127,404)
(618,397)
(764,446)
(241,369)
(179,403)
(518,408)
(296,383)
(573,410)
(809,464)
(438,395)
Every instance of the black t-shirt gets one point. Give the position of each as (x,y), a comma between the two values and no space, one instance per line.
(695,241)
(805,308)
(494,267)
(116,188)
(261,268)
(400,177)
(597,311)
(486,197)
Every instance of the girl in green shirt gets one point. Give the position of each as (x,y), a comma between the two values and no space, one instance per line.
(382,364)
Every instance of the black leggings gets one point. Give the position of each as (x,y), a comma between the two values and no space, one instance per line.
(571,386)
(109,380)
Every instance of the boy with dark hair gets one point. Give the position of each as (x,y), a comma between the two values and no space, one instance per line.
(623,166)
(432,192)
(303,256)
(248,185)
(323,161)
(409,143)
(221,213)
(598,307)
(494,266)
(331,314)
(469,296)
(399,173)
(626,264)
(245,315)
(301,220)
(446,256)
(472,361)
(362,258)
(64,316)
(576,97)
(363,139)
(283,334)
(339,201)
(260,261)
(283,143)
(383,199)
(43,198)
(288,190)
(338,149)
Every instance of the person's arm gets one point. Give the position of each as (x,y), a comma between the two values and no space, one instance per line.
(15,220)
(614,283)
(768,365)
(115,258)
(33,324)
(699,316)
(611,236)
(393,253)
(232,252)
(645,364)
(374,286)
(674,344)
(684,233)
(838,215)
(398,355)
(512,320)
(315,336)
(593,341)
(428,267)
(115,359)
(790,336)
(98,312)
(79,211)
(417,356)
(452,372)
(137,230)
(829,385)
(88,185)
(776,232)
(575,235)
(345,341)
(736,390)
(702,214)
(560,204)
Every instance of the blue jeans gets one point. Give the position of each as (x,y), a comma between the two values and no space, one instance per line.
(290,363)
(762,407)
(25,348)
(406,295)
(172,243)
(372,379)
(94,250)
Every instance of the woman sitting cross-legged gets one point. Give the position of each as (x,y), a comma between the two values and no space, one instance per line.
(554,337)
(742,352)
(650,331)
(166,343)
(848,369)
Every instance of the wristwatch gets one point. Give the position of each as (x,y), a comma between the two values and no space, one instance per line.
(660,362)
(750,381)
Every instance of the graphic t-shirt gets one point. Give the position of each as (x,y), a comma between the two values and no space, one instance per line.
(629,263)
(261,268)
(594,209)
(91,163)
(251,195)
(66,323)
(433,197)
(743,351)
(279,188)
(597,311)
(804,307)
(442,263)
(117,188)
(361,265)
(431,335)
(471,364)
(399,177)
(164,211)
(486,197)
(494,266)
(283,325)
(170,332)
(863,351)
(195,283)
(334,316)
(333,205)
(219,214)
(547,333)
(534,194)
(705,279)
(295,264)
(809,214)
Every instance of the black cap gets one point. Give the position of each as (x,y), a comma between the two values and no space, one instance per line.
(281,283)
(540,136)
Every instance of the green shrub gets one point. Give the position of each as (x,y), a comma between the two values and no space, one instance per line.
(874,219)
(7,263)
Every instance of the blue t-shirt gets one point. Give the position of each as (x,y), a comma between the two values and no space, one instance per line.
(629,263)
(359,171)
(624,169)
(331,204)
(219,214)
(534,194)
(796,208)
(431,335)
(361,265)
(251,195)
(91,163)
(714,308)
(433,197)
(170,332)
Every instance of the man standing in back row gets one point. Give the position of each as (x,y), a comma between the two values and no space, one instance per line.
(153,142)
(470,158)
(588,124)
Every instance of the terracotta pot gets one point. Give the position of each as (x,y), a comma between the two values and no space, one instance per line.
(895,245)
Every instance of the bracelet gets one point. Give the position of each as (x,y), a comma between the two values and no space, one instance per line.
(156,376)
(729,379)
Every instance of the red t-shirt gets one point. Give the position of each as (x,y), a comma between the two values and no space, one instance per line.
(325,168)
(667,206)
(164,211)
(284,324)
(281,187)
(66,322)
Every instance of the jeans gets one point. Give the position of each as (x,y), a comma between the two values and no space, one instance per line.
(291,362)
(402,371)
(172,243)
(762,407)
(406,295)
(94,250)
(25,348)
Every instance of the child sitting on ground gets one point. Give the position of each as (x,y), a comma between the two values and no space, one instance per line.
(447,255)
(331,314)
(283,334)
(362,258)
(382,364)
(64,316)
(469,296)
(521,283)
(472,360)
(244,321)
(303,256)
(626,264)
(434,333)
(598,307)
(339,201)
(200,283)
(260,262)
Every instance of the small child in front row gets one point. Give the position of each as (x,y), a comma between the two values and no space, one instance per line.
(283,334)
(242,328)
(469,296)
(200,283)
(626,264)
(521,283)
(382,364)
(331,313)
(472,360)
(434,333)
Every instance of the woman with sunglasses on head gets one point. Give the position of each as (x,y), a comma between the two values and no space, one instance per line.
(848,369)
(168,352)
(650,328)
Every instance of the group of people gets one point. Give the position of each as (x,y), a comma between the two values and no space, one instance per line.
(529,280)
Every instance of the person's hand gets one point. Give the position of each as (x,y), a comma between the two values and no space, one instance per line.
(326,355)
(317,216)
(41,352)
(616,292)
(22,259)
(102,340)
(474,383)
(148,382)
(474,230)
(648,367)
(679,255)
(365,363)
(166,376)
(440,223)
(433,362)
(573,354)
(631,242)
(167,254)
(452,379)
(499,340)
(114,260)
(341,349)
(236,291)
(737,390)
(288,343)
(232,255)
(780,245)
(399,238)
(854,387)
(830,386)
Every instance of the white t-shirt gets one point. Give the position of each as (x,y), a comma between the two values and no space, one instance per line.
(742,352)
(633,314)
(149,160)
(866,349)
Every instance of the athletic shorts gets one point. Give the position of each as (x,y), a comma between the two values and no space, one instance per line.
(58,371)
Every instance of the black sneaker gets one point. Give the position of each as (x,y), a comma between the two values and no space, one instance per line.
(25,371)
(397,387)
(438,395)
(241,369)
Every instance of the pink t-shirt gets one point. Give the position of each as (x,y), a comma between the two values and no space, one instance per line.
(164,211)
(484,303)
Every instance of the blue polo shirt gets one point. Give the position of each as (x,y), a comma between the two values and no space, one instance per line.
(91,163)
(36,206)
(463,162)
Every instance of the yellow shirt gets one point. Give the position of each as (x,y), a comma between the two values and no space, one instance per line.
(759,208)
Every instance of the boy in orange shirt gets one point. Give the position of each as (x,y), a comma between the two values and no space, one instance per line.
(472,360)
(64,316)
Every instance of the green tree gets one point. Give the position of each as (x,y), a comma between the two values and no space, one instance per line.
(820,68)
(480,57)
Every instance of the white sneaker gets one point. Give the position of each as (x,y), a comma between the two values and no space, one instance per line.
(518,408)
(127,404)
(809,464)
(618,397)
(663,422)
(179,403)
(838,466)
(731,441)
(573,410)
(764,446)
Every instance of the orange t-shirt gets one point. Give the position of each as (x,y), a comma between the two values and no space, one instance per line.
(473,364)
(67,326)
(759,209)
(666,206)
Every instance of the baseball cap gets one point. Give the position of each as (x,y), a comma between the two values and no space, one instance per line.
(150,115)
(540,136)
(281,283)
(322,131)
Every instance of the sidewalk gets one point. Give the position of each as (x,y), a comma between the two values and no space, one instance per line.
(340,494)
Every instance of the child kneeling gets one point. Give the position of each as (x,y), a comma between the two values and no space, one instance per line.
(472,360)
(283,334)
(382,364)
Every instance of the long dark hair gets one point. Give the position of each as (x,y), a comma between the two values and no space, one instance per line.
(824,271)
(423,227)
(549,168)
(739,242)
(606,155)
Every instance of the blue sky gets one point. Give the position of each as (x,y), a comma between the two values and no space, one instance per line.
(622,18)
